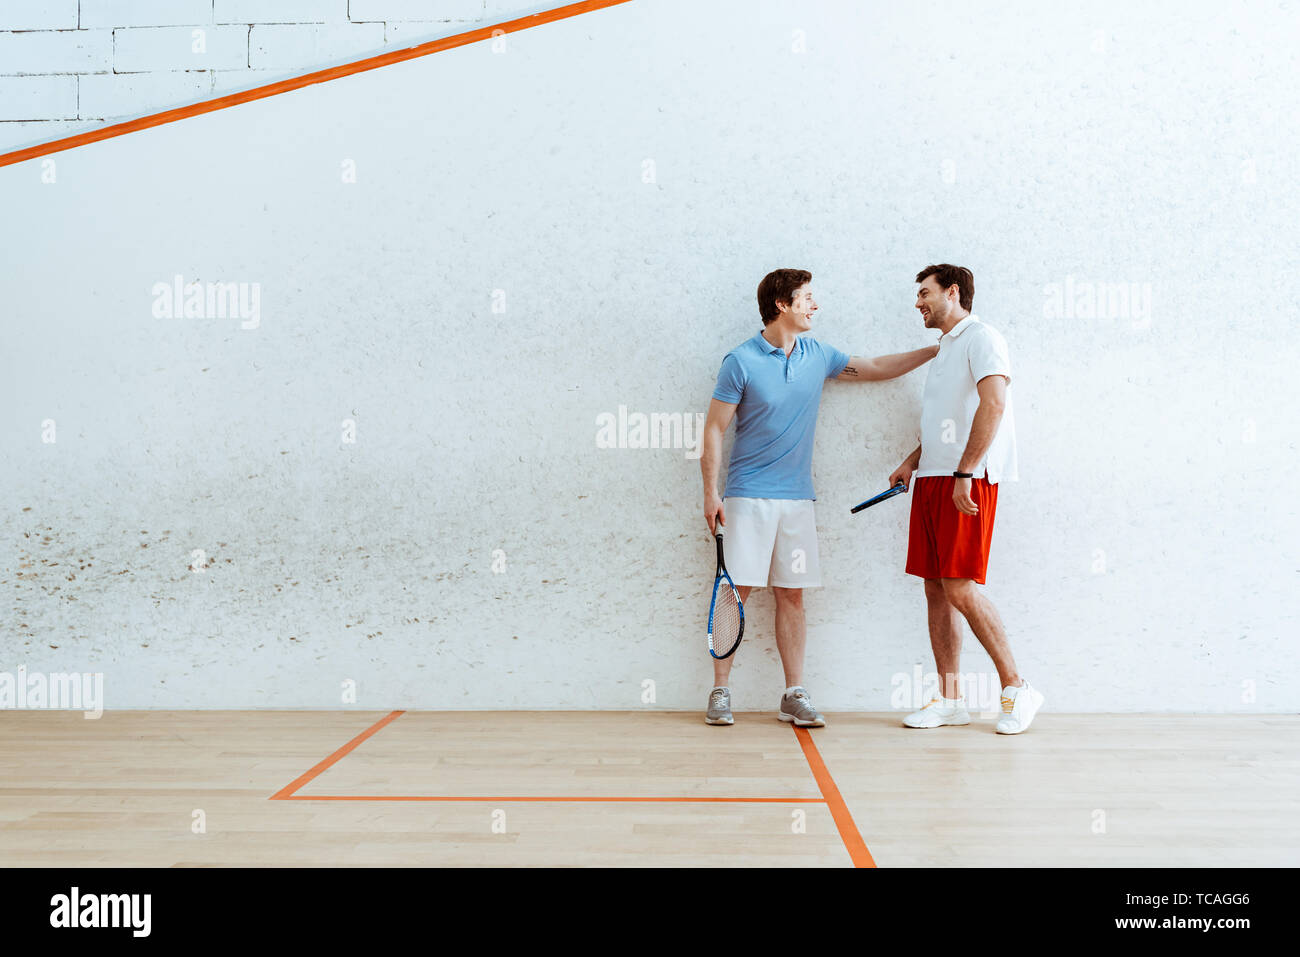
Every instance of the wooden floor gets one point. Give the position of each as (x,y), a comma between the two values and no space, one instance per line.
(643,789)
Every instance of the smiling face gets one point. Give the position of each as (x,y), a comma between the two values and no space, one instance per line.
(935,304)
(800,310)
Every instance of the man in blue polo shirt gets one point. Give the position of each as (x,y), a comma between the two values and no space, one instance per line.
(772,386)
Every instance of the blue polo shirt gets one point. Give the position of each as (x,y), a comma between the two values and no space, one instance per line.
(776,401)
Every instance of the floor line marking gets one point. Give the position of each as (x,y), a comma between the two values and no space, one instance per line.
(853,842)
(307,79)
(559,799)
(286,792)
(289,792)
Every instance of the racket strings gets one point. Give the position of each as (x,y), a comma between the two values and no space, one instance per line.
(726,620)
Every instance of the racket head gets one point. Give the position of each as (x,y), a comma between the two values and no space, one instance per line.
(726,618)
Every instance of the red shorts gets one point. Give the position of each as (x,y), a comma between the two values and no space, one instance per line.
(943,542)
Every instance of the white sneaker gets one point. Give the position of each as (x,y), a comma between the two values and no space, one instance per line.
(936,714)
(1019,705)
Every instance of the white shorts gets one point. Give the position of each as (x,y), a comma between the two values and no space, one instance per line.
(771,542)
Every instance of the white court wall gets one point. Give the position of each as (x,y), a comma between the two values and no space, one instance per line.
(501,273)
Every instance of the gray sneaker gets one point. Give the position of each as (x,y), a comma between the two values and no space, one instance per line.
(798,707)
(719,707)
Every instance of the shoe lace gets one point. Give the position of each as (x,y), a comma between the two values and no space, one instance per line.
(717,698)
(1007,704)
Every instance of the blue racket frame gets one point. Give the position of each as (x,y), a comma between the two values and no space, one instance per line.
(721,576)
(900,487)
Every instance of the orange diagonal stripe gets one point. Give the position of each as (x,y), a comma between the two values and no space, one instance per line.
(853,842)
(286,792)
(298,82)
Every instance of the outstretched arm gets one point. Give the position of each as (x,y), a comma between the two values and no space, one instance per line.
(886,367)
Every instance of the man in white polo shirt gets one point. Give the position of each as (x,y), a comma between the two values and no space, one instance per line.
(968,447)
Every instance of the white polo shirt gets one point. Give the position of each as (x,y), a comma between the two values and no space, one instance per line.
(967,353)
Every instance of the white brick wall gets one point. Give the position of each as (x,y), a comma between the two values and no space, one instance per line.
(42,131)
(69,65)
(142,49)
(361,10)
(117,95)
(144,13)
(56,51)
(230,81)
(300,47)
(407,33)
(38,97)
(38,15)
(507,9)
(280,11)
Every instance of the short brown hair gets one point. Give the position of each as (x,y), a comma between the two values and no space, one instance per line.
(947,276)
(779,286)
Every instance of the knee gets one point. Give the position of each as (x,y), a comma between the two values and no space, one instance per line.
(789,597)
(960,593)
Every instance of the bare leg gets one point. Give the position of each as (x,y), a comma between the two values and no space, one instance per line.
(985,622)
(722,668)
(945,637)
(791,632)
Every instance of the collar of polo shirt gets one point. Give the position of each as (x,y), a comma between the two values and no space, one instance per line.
(768,347)
(958,329)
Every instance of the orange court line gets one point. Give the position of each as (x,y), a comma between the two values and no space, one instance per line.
(853,842)
(307,79)
(558,799)
(286,792)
